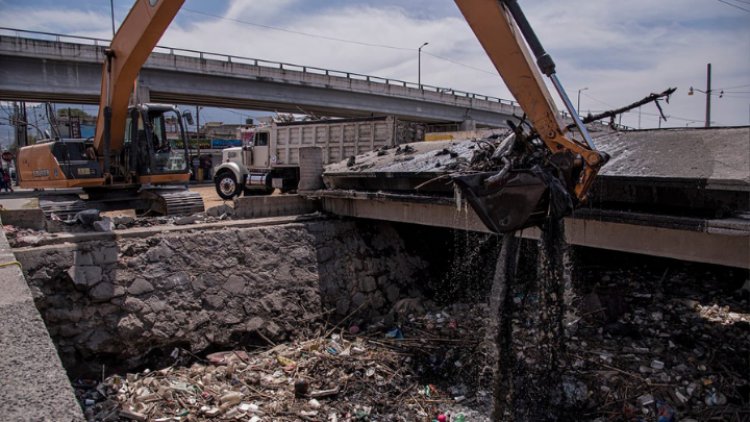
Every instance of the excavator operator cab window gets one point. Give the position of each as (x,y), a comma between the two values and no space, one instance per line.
(170,153)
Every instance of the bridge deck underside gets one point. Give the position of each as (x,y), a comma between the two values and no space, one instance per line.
(719,241)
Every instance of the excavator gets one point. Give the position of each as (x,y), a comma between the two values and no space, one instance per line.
(138,157)
(543,170)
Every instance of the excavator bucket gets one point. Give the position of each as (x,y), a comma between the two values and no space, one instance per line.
(526,198)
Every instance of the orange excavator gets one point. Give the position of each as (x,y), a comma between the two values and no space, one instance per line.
(543,170)
(138,157)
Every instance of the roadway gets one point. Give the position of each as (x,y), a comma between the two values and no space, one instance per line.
(36,69)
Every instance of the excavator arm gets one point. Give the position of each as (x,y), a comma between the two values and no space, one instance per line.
(503,31)
(129,50)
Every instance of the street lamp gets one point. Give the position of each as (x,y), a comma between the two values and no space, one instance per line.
(578,107)
(419,64)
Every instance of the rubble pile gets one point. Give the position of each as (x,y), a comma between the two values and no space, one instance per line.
(19,237)
(670,345)
(334,377)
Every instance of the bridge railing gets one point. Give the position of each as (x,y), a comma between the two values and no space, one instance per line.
(203,55)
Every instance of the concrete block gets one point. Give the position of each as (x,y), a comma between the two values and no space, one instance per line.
(31,218)
(273,206)
(85,275)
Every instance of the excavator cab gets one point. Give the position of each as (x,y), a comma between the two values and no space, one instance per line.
(154,145)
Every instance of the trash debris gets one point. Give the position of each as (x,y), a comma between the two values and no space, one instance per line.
(250,386)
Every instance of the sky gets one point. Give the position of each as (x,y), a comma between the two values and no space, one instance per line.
(612,52)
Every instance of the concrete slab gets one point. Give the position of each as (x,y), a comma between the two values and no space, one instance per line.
(714,158)
(718,156)
(33,383)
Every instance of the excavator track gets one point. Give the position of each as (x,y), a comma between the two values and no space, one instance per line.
(64,207)
(179,202)
(147,202)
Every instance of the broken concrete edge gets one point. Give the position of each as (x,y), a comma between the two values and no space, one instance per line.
(33,383)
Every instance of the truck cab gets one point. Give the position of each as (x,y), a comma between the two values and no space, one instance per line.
(246,169)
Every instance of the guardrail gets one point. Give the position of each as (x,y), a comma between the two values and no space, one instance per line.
(99,42)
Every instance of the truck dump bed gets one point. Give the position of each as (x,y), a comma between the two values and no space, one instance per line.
(339,139)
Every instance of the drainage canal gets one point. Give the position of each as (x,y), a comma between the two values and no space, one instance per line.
(339,319)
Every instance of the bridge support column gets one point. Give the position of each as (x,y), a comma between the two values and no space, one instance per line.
(141,94)
(468,124)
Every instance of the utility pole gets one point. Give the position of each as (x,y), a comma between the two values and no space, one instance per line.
(708,95)
(20,129)
(639,117)
(198,138)
(419,65)
(578,106)
(112,11)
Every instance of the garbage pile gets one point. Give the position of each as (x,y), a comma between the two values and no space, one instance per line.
(661,347)
(351,375)
(646,345)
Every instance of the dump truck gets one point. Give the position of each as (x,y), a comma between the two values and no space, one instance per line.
(269,157)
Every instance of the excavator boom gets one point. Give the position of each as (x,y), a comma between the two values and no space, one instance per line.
(129,50)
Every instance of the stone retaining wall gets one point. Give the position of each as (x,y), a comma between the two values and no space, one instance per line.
(115,302)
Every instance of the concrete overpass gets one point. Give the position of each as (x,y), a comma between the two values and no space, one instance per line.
(37,69)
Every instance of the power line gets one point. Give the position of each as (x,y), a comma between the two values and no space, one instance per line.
(734,87)
(335,39)
(307,34)
(734,5)
(460,64)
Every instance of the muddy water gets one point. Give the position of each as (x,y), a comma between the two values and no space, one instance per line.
(528,330)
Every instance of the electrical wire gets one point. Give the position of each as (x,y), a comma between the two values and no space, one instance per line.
(733,5)
(307,34)
(342,40)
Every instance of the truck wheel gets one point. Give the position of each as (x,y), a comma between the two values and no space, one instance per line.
(227,186)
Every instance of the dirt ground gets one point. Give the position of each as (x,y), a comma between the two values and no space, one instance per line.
(209,195)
